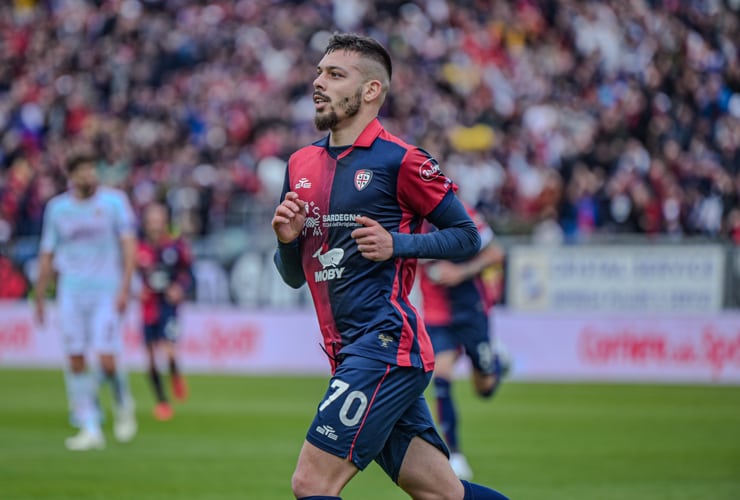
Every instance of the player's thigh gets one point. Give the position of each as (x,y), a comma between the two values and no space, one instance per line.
(73,319)
(444,364)
(426,473)
(319,472)
(415,423)
(154,334)
(444,339)
(106,325)
(364,401)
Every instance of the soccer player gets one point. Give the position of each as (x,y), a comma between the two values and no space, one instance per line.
(165,266)
(348,225)
(457,299)
(88,237)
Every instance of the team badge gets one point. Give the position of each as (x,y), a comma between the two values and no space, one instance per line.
(363,178)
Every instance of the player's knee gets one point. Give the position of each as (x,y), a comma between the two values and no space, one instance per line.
(77,364)
(108,365)
(303,483)
(299,484)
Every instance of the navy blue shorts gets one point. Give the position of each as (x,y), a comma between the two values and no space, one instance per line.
(165,328)
(371,411)
(471,336)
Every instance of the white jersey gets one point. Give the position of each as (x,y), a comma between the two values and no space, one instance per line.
(84,236)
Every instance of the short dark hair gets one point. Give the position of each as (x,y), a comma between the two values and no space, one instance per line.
(363,45)
(75,161)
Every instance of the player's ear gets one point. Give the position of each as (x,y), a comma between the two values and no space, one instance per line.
(372,90)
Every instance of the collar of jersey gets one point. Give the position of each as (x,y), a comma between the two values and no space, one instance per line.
(364,140)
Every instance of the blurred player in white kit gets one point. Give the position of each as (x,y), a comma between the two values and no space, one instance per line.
(89,238)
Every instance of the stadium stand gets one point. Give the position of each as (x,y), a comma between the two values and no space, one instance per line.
(561,118)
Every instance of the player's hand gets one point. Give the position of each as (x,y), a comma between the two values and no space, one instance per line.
(122,301)
(446,273)
(174,294)
(373,241)
(289,218)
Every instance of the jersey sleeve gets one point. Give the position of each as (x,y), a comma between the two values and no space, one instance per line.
(287,256)
(49,233)
(185,275)
(421,184)
(456,239)
(124,215)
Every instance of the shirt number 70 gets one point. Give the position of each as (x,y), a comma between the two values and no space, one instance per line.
(340,387)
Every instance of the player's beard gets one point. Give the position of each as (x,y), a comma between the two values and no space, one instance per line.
(86,190)
(350,106)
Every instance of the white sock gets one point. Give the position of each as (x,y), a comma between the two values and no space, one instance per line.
(119,386)
(83,389)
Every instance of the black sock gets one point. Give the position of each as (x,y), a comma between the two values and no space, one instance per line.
(156,381)
(174,370)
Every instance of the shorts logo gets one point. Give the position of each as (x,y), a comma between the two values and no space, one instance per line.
(363,178)
(328,431)
(303,183)
(385,340)
(429,170)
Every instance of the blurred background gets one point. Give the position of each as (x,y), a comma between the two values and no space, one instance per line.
(565,122)
(601,140)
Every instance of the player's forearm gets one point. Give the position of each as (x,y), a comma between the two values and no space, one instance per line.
(490,255)
(128,247)
(287,260)
(456,239)
(44,277)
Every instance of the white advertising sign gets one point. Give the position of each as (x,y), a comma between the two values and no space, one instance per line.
(688,348)
(691,348)
(634,279)
(212,340)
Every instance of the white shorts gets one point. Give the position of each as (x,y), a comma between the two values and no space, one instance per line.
(89,322)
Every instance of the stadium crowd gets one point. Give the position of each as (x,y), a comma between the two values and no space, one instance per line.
(561,118)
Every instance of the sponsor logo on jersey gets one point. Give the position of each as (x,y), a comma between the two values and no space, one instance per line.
(363,178)
(328,431)
(302,183)
(313,220)
(429,170)
(329,261)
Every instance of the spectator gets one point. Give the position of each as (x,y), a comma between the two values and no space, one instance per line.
(185,100)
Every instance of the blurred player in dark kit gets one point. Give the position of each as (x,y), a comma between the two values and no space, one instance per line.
(457,300)
(165,266)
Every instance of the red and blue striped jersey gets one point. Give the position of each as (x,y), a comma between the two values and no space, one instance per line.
(363,306)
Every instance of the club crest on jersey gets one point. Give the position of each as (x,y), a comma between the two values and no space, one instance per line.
(363,178)
(429,170)
(302,183)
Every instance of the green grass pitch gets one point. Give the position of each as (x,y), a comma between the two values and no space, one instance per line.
(238,438)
